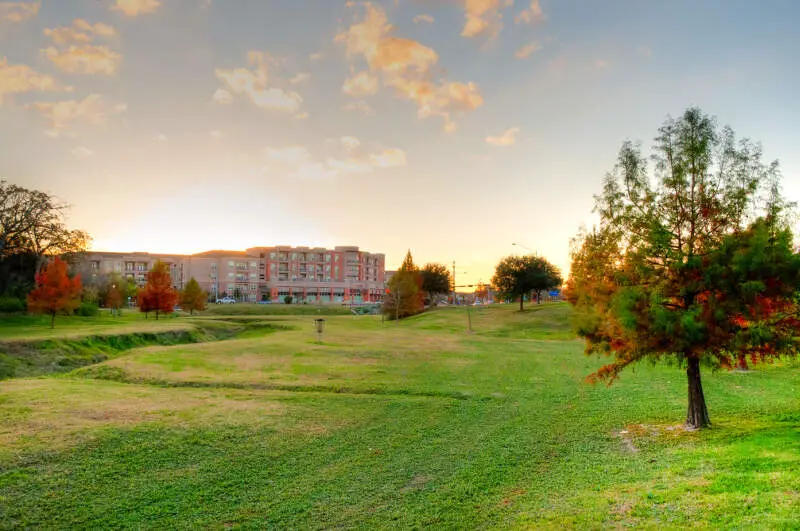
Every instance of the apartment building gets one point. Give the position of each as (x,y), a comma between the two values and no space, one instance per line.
(344,274)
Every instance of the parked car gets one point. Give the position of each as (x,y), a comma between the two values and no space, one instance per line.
(226,300)
(477,303)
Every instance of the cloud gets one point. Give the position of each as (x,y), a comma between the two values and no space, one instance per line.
(84,59)
(423,19)
(644,51)
(508,138)
(18,11)
(300,77)
(531,15)
(301,116)
(222,97)
(483,17)
(134,8)
(82,152)
(215,134)
(359,106)
(526,50)
(92,110)
(600,64)
(81,32)
(350,142)
(318,56)
(388,158)
(160,138)
(296,162)
(407,67)
(360,85)
(253,84)
(18,79)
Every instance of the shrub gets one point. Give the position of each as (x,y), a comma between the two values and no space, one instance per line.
(86,309)
(287,299)
(12,304)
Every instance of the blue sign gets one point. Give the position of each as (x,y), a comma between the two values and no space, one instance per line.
(555,293)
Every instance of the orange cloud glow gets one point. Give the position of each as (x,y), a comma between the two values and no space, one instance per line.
(93,110)
(18,79)
(84,59)
(134,8)
(508,138)
(18,11)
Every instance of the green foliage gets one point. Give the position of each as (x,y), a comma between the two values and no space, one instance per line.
(682,266)
(287,299)
(405,297)
(436,279)
(12,304)
(516,276)
(87,309)
(193,298)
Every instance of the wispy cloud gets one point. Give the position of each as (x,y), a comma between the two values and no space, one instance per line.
(19,79)
(484,17)
(134,8)
(92,110)
(423,19)
(160,138)
(406,66)
(296,162)
(531,15)
(601,64)
(527,50)
(360,85)
(318,56)
(80,32)
(300,78)
(508,138)
(18,11)
(84,59)
(82,152)
(644,51)
(222,97)
(254,85)
(359,106)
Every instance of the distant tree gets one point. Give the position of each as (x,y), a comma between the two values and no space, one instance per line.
(516,276)
(405,297)
(436,280)
(193,297)
(481,291)
(694,264)
(55,292)
(114,296)
(237,294)
(287,299)
(158,294)
(32,229)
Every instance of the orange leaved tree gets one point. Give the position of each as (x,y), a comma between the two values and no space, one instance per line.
(55,292)
(158,294)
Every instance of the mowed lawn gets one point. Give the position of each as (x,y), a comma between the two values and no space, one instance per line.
(413,424)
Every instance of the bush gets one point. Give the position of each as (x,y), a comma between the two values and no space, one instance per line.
(86,309)
(287,299)
(13,304)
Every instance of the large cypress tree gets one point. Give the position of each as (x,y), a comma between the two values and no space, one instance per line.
(692,262)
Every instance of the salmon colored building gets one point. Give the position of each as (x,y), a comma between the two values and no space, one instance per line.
(315,275)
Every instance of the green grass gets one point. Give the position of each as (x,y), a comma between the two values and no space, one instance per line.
(413,424)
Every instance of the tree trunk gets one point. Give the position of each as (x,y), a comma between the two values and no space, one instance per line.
(697,413)
(53,320)
(156,315)
(741,363)
(521,301)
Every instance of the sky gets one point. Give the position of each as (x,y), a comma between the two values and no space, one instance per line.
(454,128)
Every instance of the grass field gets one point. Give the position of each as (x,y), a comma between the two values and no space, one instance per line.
(411,424)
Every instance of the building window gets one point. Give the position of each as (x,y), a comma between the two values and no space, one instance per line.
(230,275)
(230,263)
(253,265)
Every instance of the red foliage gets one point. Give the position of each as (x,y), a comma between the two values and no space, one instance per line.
(55,292)
(158,295)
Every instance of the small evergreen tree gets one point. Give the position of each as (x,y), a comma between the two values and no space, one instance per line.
(193,298)
(405,297)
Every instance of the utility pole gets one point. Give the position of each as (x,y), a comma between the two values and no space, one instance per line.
(454,282)
(397,305)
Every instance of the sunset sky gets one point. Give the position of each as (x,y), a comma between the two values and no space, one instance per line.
(451,127)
